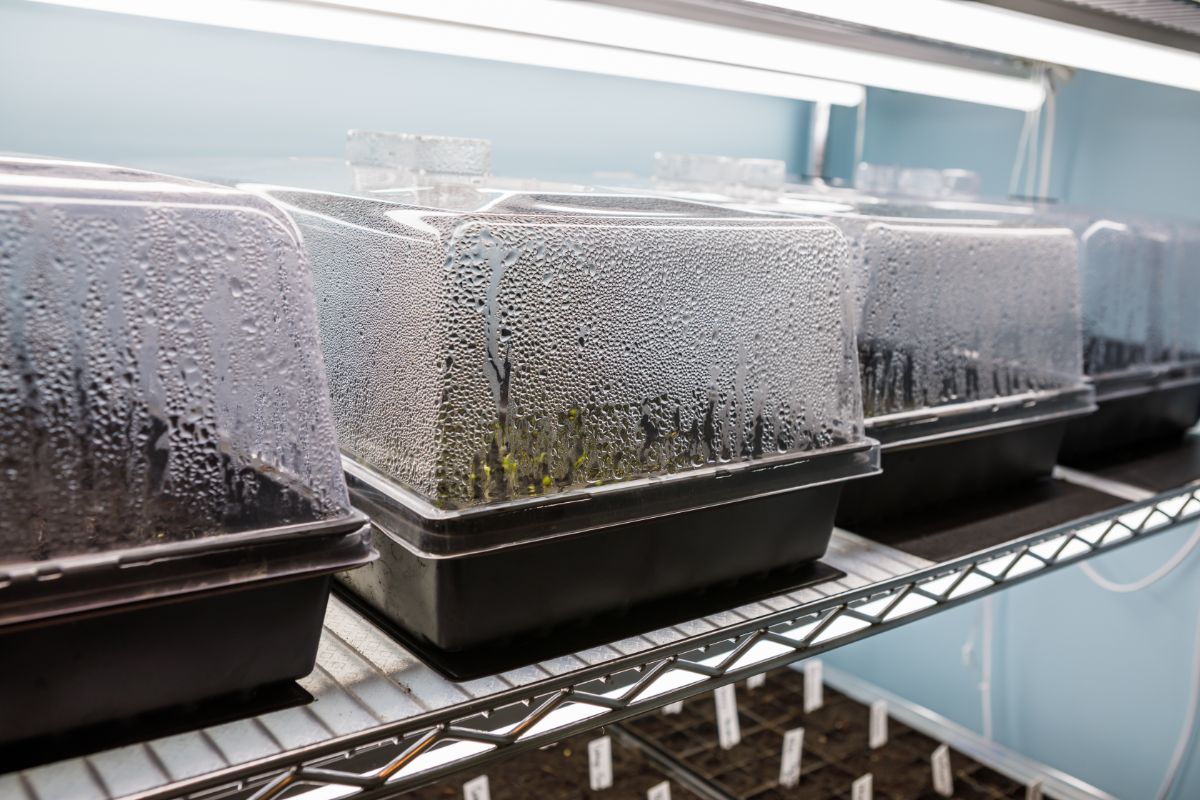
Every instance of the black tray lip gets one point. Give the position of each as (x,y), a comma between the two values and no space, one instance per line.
(395,509)
(101,582)
(132,556)
(482,660)
(1139,381)
(943,424)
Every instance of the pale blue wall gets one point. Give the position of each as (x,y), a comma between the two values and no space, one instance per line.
(929,132)
(1131,145)
(108,87)
(1119,144)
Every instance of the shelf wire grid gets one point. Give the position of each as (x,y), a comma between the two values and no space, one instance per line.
(383,722)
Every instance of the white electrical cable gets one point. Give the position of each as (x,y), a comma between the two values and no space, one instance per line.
(1186,733)
(1048,141)
(1169,566)
(1026,162)
(860,133)
(985,672)
(1183,743)
(1036,137)
(1014,178)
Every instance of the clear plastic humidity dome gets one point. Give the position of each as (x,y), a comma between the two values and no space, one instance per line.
(1140,337)
(529,343)
(1141,332)
(167,449)
(160,376)
(971,356)
(514,361)
(1138,280)
(968,332)
(956,313)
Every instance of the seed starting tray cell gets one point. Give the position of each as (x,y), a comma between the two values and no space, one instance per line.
(560,772)
(835,748)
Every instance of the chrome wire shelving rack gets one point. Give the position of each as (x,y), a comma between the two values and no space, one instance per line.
(381,721)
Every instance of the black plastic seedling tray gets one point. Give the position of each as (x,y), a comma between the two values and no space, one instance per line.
(464,579)
(920,477)
(1159,410)
(956,455)
(494,657)
(92,639)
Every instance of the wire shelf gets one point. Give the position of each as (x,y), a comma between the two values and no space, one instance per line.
(382,721)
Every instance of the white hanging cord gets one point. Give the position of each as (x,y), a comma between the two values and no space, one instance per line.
(860,134)
(1035,138)
(1048,137)
(1027,147)
(1183,743)
(1014,179)
(1169,566)
(985,676)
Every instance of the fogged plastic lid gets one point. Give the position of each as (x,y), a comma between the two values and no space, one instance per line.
(1137,276)
(543,343)
(754,177)
(955,311)
(383,159)
(1140,279)
(916,181)
(160,371)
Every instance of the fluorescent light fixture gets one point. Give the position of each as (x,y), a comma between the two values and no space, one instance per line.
(397,26)
(1026,36)
(597,38)
(619,27)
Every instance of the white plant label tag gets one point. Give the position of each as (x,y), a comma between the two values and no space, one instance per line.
(600,770)
(659,791)
(1034,791)
(729,731)
(755,681)
(943,776)
(789,764)
(877,732)
(862,788)
(814,686)
(673,708)
(477,789)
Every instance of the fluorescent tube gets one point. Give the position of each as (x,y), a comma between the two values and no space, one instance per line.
(1026,36)
(362,25)
(596,38)
(619,27)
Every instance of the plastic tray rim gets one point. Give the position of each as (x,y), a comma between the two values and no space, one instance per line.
(980,417)
(355,549)
(419,504)
(22,571)
(389,502)
(1145,380)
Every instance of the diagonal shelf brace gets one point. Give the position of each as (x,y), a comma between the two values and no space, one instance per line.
(545,709)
